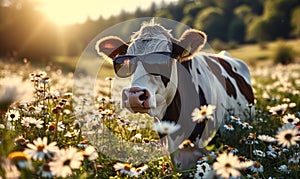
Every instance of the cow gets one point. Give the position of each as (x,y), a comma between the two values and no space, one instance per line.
(171,77)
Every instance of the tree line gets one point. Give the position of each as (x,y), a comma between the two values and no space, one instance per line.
(26,32)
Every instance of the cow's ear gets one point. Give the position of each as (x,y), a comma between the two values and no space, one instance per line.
(111,46)
(190,42)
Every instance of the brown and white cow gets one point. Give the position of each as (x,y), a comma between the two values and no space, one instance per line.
(170,78)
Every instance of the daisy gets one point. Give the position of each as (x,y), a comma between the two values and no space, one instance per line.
(284,169)
(292,105)
(2,126)
(205,112)
(136,137)
(64,161)
(140,170)
(245,125)
(41,149)
(228,127)
(165,127)
(295,159)
(13,115)
(44,171)
(124,168)
(274,151)
(227,165)
(266,138)
(230,149)
(290,119)
(29,121)
(203,171)
(259,153)
(21,141)
(235,118)
(287,137)
(257,167)
(91,153)
(185,144)
(279,109)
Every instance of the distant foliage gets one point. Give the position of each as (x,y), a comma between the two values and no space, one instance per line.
(284,53)
(295,21)
(241,21)
(219,45)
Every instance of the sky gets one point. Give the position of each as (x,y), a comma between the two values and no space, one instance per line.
(65,12)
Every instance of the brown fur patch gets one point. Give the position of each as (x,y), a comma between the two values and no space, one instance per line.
(243,86)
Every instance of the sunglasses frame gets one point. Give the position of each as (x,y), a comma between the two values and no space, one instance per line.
(135,59)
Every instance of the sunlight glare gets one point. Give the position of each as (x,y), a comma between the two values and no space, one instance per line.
(65,12)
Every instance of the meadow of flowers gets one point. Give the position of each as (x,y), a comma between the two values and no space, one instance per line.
(54,133)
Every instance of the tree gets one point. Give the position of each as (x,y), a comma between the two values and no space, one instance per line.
(295,22)
(211,20)
(258,30)
(236,30)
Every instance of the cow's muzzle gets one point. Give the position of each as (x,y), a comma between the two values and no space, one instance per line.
(136,99)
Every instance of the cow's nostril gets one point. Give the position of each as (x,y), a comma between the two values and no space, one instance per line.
(143,97)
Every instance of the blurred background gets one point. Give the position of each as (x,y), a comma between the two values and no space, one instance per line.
(44,31)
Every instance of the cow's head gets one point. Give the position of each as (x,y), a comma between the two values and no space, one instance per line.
(150,58)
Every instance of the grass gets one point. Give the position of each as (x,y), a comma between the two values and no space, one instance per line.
(254,55)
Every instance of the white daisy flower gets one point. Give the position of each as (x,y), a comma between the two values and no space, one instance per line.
(165,127)
(266,138)
(235,118)
(228,127)
(203,171)
(44,171)
(124,168)
(245,125)
(257,167)
(292,105)
(40,149)
(64,161)
(284,169)
(295,159)
(13,115)
(275,151)
(186,144)
(259,153)
(91,153)
(290,119)
(205,112)
(31,122)
(227,165)
(140,170)
(288,137)
(279,109)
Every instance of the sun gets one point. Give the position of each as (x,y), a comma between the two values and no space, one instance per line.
(64,12)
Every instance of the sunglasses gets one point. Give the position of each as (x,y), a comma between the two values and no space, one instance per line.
(156,63)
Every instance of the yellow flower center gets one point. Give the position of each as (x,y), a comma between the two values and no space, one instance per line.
(256,165)
(203,112)
(127,167)
(227,165)
(40,148)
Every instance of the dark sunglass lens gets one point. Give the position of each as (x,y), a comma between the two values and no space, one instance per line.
(158,64)
(124,66)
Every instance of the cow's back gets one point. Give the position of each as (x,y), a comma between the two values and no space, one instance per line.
(223,81)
